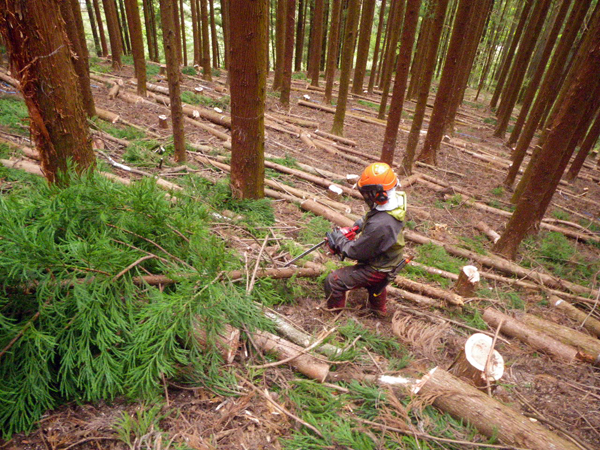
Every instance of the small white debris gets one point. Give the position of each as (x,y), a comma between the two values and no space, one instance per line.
(219,110)
(195,113)
(306,97)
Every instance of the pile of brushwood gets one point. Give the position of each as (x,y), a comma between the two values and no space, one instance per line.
(77,319)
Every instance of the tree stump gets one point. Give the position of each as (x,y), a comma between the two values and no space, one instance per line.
(162,121)
(227,342)
(162,70)
(467,282)
(470,363)
(334,192)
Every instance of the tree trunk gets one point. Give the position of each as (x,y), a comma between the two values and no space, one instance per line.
(467,282)
(315,51)
(547,90)
(100,28)
(40,57)
(71,13)
(364,43)
(534,83)
(394,27)
(332,48)
(519,68)
(123,28)
(206,66)
(114,36)
(213,34)
(590,139)
(168,17)
(346,69)
(279,44)
(137,44)
(438,121)
(150,30)
(249,47)
(197,60)
(286,81)
(470,364)
(510,54)
(376,51)
(90,11)
(431,49)
(300,31)
(406,45)
(177,29)
(183,40)
(489,416)
(226,31)
(416,69)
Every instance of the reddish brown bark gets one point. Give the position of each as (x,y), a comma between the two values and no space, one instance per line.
(114,35)
(583,95)
(364,41)
(590,139)
(286,81)
(279,44)
(137,44)
(206,65)
(406,45)
(40,58)
(376,52)
(248,70)
(315,51)
(167,12)
(100,28)
(332,48)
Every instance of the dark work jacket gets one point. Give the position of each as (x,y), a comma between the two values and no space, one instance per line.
(380,243)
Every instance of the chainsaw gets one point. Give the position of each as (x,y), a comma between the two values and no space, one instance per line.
(349,232)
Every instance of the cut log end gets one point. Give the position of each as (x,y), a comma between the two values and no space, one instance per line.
(162,122)
(468,281)
(470,363)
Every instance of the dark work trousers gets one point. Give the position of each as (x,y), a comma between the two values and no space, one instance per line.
(347,278)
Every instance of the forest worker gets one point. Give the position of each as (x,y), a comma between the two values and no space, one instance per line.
(378,249)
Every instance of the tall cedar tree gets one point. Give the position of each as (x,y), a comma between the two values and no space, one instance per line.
(364,43)
(376,52)
(514,42)
(100,28)
(583,96)
(416,67)
(584,150)
(547,89)
(346,69)
(226,31)
(534,82)
(300,28)
(177,29)
(428,68)
(151,35)
(195,33)
(71,13)
(407,40)
(206,66)
(288,53)
(316,43)
(279,44)
(137,44)
(248,67)
(394,28)
(332,49)
(40,58)
(183,39)
(114,35)
(439,118)
(123,28)
(167,13)
(93,26)
(519,67)
(213,34)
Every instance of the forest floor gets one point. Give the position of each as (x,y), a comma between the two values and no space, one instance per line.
(563,397)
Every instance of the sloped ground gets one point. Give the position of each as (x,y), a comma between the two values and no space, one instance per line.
(562,397)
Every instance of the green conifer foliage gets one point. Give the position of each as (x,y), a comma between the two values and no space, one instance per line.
(75,324)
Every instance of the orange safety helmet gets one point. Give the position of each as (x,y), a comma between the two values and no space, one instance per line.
(375,180)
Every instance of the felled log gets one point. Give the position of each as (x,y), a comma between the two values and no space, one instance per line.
(333,137)
(293,354)
(329,109)
(470,362)
(431,291)
(589,347)
(27,166)
(534,338)
(485,229)
(467,282)
(114,90)
(305,137)
(489,416)
(586,321)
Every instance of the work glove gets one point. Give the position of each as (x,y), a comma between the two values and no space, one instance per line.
(360,223)
(335,240)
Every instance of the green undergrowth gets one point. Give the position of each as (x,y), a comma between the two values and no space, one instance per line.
(119,131)
(192,98)
(350,418)
(559,255)
(14,115)
(77,323)
(434,256)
